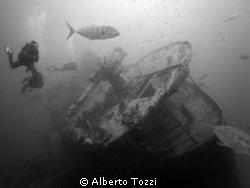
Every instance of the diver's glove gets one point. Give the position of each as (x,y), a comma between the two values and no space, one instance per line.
(8,51)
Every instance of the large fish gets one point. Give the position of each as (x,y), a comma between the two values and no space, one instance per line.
(234,138)
(231,18)
(95,32)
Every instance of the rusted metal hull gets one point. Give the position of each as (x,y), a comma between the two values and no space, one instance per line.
(156,114)
(177,125)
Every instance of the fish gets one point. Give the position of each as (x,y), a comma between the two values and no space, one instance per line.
(204,75)
(243,56)
(94,32)
(203,85)
(231,18)
(233,137)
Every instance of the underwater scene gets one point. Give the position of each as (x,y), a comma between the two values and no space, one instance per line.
(124,93)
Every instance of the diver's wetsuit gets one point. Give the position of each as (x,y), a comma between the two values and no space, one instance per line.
(34,81)
(72,66)
(28,55)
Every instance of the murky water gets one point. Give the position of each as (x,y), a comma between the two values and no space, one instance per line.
(144,25)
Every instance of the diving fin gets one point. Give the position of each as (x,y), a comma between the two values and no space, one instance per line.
(8,50)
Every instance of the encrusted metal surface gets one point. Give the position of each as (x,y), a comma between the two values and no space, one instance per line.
(154,110)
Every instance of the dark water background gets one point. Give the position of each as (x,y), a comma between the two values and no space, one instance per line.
(144,26)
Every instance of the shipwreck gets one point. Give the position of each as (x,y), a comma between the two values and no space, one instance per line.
(149,110)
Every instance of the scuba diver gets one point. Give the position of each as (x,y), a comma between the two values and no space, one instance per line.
(71,66)
(34,81)
(28,55)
